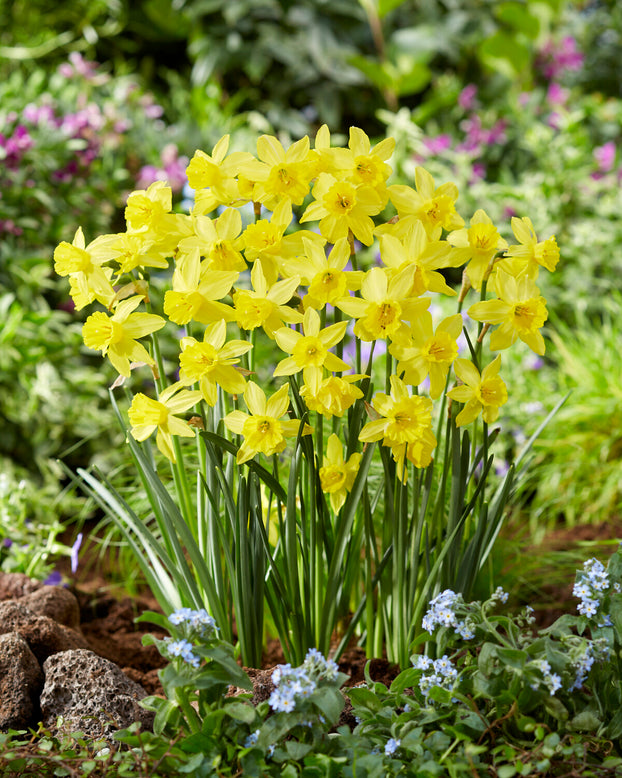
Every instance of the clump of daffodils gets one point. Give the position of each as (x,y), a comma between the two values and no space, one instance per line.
(295,276)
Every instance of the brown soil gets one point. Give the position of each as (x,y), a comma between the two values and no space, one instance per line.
(109,626)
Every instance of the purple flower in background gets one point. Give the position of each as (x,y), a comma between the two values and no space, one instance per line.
(466,98)
(78,66)
(7,542)
(533,362)
(605,156)
(479,172)
(9,226)
(557,58)
(496,134)
(39,114)
(437,144)
(173,170)
(501,468)
(554,120)
(74,552)
(16,145)
(53,579)
(556,94)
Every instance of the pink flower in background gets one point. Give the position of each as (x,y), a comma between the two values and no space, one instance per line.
(78,66)
(437,144)
(497,133)
(479,171)
(556,94)
(605,156)
(557,58)
(16,145)
(475,136)
(39,114)
(466,98)
(554,120)
(151,109)
(173,170)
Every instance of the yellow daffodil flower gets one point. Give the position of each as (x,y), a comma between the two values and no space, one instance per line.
(368,166)
(147,415)
(266,240)
(310,351)
(414,249)
(218,240)
(434,206)
(425,352)
(263,429)
(530,254)
(325,276)
(481,393)
(132,250)
(83,264)
(280,175)
(479,244)
(405,418)
(195,293)
(212,362)
(342,206)
(520,310)
(265,306)
(336,475)
(331,396)
(145,209)
(215,177)
(324,158)
(383,304)
(115,336)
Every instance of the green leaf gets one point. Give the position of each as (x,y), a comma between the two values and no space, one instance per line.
(240,711)
(365,698)
(330,701)
(296,750)
(386,6)
(614,728)
(506,771)
(374,71)
(504,53)
(405,680)
(517,16)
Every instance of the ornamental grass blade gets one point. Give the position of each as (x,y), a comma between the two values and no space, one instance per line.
(342,536)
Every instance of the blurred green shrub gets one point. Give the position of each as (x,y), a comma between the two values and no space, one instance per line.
(71,143)
(575,476)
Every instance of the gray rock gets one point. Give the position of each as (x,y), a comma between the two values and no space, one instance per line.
(43,635)
(56,603)
(91,694)
(21,680)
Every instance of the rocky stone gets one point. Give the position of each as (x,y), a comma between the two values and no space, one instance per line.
(43,635)
(56,603)
(13,585)
(91,694)
(21,680)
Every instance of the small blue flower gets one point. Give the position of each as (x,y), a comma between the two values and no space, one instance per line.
(251,739)
(180,616)
(391,747)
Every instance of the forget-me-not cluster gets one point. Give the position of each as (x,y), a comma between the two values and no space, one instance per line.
(436,672)
(550,680)
(195,625)
(292,684)
(442,613)
(591,586)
